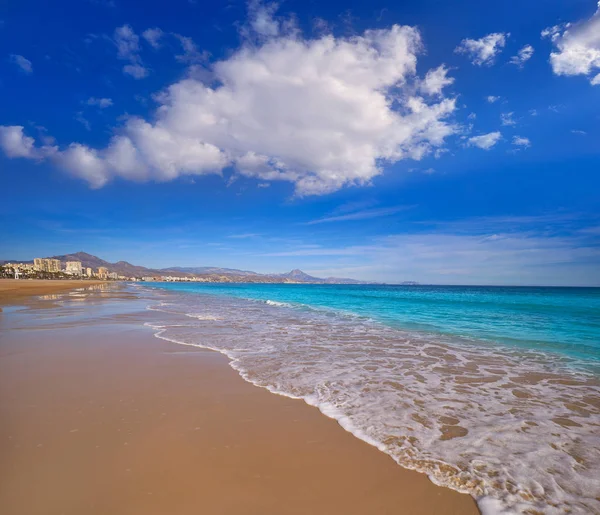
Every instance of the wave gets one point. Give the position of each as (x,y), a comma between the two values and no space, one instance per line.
(516,429)
(279,304)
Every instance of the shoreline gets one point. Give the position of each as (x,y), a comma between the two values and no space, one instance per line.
(12,290)
(228,447)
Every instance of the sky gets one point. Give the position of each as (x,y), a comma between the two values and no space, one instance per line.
(433,141)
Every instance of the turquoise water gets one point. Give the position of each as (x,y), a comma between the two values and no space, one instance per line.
(492,391)
(560,320)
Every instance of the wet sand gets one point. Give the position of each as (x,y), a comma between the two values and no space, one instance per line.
(12,289)
(101,417)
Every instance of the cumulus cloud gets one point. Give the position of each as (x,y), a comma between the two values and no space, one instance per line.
(522,56)
(485,141)
(483,51)
(492,99)
(577,47)
(14,143)
(262,19)
(24,64)
(84,162)
(102,103)
(153,37)
(128,49)
(320,113)
(520,141)
(436,80)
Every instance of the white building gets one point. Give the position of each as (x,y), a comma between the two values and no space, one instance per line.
(74,268)
(46,265)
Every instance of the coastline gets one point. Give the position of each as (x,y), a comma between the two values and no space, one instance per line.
(171,429)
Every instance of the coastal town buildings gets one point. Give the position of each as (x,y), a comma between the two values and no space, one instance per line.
(45,268)
(22,268)
(74,268)
(46,265)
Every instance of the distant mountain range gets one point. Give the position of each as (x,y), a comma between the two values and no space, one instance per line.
(208,273)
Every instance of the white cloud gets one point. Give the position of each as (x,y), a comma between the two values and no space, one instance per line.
(507,119)
(596,80)
(321,113)
(24,64)
(543,249)
(522,56)
(438,257)
(128,43)
(364,214)
(128,49)
(84,162)
(191,54)
(137,71)
(581,133)
(82,120)
(577,47)
(520,141)
(483,51)
(485,141)
(491,99)
(262,19)
(102,103)
(436,80)
(153,37)
(14,143)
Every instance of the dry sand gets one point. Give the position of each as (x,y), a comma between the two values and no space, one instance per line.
(104,418)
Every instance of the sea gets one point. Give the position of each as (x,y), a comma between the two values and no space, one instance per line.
(491,391)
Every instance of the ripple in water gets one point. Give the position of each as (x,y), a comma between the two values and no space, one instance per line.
(518,430)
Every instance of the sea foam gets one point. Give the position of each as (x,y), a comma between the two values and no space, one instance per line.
(515,428)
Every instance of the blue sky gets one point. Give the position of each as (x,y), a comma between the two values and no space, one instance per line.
(436,141)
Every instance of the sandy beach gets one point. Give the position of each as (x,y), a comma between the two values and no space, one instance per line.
(98,416)
(12,290)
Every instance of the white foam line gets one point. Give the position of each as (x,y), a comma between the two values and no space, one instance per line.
(487,505)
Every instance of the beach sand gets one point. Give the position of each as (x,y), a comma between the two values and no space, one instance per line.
(97,416)
(13,289)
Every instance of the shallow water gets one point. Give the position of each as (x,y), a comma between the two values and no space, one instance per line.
(491,391)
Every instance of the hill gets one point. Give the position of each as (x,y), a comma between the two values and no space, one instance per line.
(208,270)
(121,267)
(206,273)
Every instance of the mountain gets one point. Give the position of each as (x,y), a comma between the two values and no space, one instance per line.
(207,270)
(121,267)
(205,273)
(299,276)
